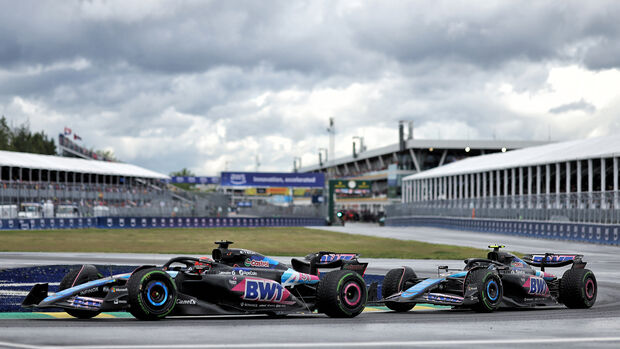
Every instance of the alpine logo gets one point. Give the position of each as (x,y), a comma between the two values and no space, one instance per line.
(256,263)
(263,290)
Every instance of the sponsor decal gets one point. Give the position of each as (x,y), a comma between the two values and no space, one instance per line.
(262,290)
(118,289)
(336,256)
(120,301)
(244,272)
(536,286)
(292,277)
(553,259)
(256,263)
(517,264)
(90,290)
(186,301)
(232,282)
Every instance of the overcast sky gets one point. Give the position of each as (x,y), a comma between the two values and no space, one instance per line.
(203,84)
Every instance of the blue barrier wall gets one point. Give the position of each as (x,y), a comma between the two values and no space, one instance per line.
(583,232)
(155,222)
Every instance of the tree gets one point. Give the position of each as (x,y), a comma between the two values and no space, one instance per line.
(183,173)
(21,139)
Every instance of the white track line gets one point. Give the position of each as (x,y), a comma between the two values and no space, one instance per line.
(429,343)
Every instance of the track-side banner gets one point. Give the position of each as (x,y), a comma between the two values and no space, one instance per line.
(156,222)
(273,179)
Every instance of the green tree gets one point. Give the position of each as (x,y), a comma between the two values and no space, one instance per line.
(183,173)
(5,135)
(21,139)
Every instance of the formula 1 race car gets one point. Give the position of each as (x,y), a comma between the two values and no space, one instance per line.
(234,281)
(501,279)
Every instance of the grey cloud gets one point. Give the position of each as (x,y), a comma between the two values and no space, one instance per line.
(580,105)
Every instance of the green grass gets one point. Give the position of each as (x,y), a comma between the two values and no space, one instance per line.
(289,241)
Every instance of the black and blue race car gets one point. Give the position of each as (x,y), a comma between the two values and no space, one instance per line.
(232,281)
(501,279)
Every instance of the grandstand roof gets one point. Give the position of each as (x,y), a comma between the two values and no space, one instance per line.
(592,148)
(58,163)
(425,144)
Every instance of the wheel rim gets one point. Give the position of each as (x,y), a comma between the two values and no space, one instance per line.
(352,294)
(492,290)
(157,293)
(590,289)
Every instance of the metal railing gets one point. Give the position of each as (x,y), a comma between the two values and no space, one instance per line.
(120,200)
(595,207)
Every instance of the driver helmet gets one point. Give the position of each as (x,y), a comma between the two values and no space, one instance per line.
(203,264)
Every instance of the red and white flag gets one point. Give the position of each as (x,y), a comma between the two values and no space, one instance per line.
(67,131)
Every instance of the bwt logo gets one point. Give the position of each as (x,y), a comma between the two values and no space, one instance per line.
(237,178)
(538,287)
(265,291)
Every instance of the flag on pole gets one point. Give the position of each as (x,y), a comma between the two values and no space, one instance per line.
(67,131)
(76,137)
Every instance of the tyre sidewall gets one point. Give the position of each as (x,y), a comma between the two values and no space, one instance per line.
(142,304)
(352,282)
(490,289)
(578,288)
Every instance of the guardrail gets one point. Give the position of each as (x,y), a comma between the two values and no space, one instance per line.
(156,222)
(607,234)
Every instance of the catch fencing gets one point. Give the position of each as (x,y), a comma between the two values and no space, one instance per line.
(586,217)
(596,207)
(582,232)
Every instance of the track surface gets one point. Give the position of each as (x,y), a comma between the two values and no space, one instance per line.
(551,327)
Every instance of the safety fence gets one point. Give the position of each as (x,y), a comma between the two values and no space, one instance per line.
(607,234)
(156,222)
(586,207)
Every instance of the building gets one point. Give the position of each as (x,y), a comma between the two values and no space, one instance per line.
(566,181)
(386,166)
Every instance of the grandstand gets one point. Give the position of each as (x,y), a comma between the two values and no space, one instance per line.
(385,167)
(92,187)
(574,181)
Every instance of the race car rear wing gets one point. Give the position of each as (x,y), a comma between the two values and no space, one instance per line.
(554,260)
(329,260)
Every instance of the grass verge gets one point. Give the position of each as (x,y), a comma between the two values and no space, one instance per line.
(281,241)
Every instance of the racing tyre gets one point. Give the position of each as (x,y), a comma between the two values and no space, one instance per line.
(152,294)
(77,277)
(341,293)
(393,283)
(490,290)
(578,288)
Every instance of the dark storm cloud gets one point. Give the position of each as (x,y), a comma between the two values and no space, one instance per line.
(214,72)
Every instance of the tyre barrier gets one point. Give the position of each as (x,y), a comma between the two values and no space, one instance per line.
(155,222)
(605,234)
(15,283)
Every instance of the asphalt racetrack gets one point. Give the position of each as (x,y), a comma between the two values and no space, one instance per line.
(422,327)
